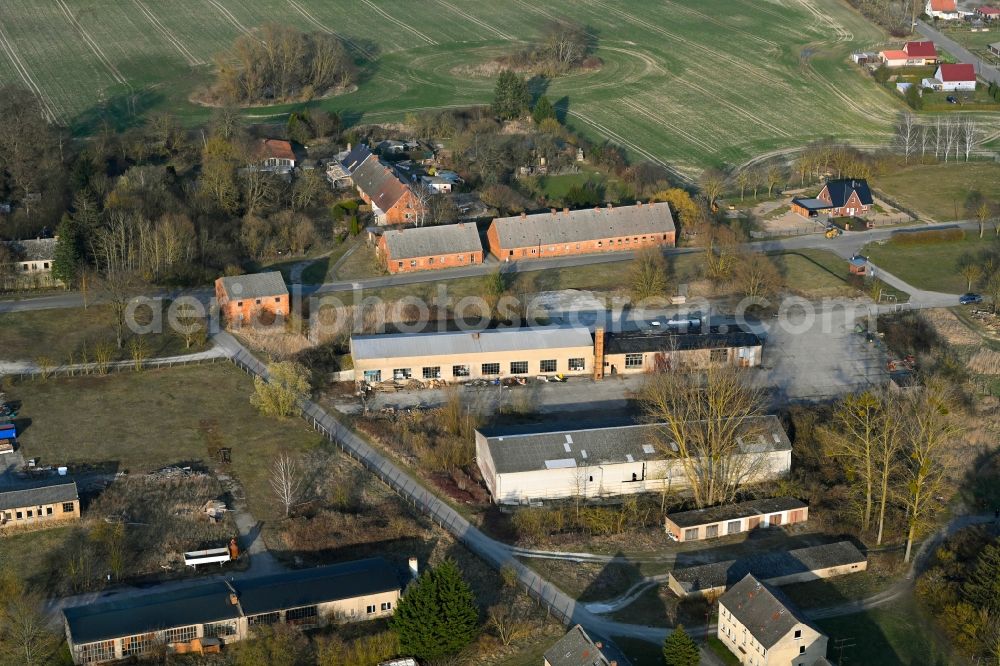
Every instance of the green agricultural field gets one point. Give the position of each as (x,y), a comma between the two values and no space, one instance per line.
(685,82)
(939,191)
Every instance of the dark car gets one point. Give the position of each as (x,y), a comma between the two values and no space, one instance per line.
(952,99)
(967,299)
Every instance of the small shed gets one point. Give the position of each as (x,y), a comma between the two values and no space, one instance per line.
(994,49)
(858,265)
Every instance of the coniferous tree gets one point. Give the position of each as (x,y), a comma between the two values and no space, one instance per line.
(543,109)
(511,96)
(67,254)
(679,649)
(982,588)
(437,616)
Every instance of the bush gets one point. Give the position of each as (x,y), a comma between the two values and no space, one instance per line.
(928,237)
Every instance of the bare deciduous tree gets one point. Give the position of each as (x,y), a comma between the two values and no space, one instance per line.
(706,416)
(929,432)
(26,636)
(286,481)
(648,275)
(907,135)
(756,275)
(713,183)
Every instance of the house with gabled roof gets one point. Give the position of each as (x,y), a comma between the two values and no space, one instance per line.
(39,504)
(431,248)
(762,627)
(584,231)
(576,649)
(921,53)
(276,156)
(955,77)
(847,197)
(942,9)
(391,198)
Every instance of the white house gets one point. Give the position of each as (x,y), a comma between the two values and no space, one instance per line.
(520,466)
(942,9)
(762,628)
(437,184)
(956,77)
(276,156)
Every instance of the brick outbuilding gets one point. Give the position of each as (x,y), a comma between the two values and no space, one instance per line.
(431,248)
(586,231)
(244,298)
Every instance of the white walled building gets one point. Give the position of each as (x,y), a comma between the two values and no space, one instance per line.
(523,466)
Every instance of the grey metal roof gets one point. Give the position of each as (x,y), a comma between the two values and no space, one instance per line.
(642,342)
(766,613)
(575,649)
(718,514)
(432,241)
(597,446)
(52,491)
(812,204)
(581,225)
(767,566)
(35,249)
(209,601)
(255,285)
(401,345)
(312,586)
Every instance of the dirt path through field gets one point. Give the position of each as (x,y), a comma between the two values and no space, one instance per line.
(405,26)
(307,15)
(169,36)
(22,71)
(92,44)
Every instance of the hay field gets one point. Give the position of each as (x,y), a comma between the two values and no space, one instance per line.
(686,82)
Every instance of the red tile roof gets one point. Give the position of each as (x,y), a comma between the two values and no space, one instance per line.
(943,6)
(952,73)
(894,55)
(278,149)
(921,49)
(989,11)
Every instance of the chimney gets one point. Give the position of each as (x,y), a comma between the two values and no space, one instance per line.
(565,211)
(599,645)
(348,146)
(639,204)
(553,210)
(233,600)
(524,215)
(414,568)
(598,353)
(610,206)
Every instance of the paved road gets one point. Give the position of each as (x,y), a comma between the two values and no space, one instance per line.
(844,246)
(986,71)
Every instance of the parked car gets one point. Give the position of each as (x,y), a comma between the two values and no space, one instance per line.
(952,99)
(967,299)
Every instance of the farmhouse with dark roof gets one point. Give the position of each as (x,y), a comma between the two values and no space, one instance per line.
(847,197)
(761,626)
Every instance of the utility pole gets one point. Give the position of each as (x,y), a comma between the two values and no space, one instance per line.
(841,644)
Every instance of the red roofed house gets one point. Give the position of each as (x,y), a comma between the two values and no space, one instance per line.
(942,9)
(276,156)
(391,199)
(988,13)
(921,53)
(956,77)
(894,58)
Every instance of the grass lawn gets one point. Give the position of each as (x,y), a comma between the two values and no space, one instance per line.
(895,634)
(940,190)
(817,273)
(362,263)
(20,552)
(720,650)
(62,335)
(143,421)
(932,266)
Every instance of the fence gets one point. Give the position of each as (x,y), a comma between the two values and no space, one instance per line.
(112,367)
(804,230)
(494,553)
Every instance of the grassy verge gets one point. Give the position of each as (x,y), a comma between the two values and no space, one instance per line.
(144,421)
(720,650)
(21,552)
(933,266)
(363,263)
(65,335)
(940,190)
(817,273)
(894,634)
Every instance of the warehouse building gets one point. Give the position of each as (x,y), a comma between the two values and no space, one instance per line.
(716,521)
(218,612)
(461,355)
(645,351)
(546,351)
(586,231)
(521,465)
(776,568)
(431,248)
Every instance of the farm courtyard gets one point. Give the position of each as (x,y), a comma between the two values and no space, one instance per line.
(770,74)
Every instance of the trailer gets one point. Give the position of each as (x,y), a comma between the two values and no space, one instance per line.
(209,556)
